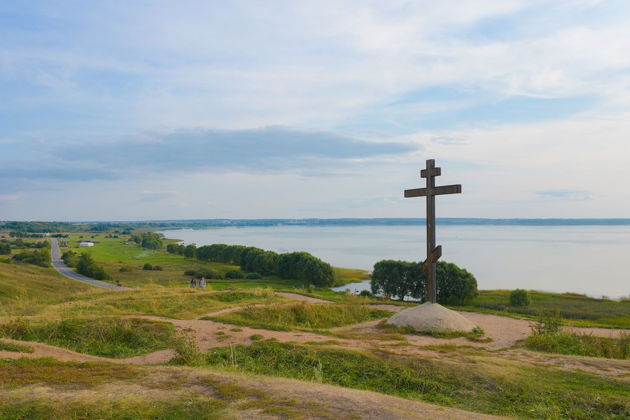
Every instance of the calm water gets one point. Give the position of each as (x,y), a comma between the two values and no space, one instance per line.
(585,259)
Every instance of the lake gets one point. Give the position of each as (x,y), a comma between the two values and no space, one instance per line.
(594,260)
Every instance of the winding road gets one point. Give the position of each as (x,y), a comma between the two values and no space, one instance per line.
(64,270)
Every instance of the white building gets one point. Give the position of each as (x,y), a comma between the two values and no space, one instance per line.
(84,244)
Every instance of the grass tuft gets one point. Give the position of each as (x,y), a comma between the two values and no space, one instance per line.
(109,337)
(302,315)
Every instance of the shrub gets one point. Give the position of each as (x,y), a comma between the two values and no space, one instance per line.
(234,274)
(147,266)
(366,293)
(548,323)
(70,258)
(149,240)
(190,251)
(398,278)
(307,268)
(519,298)
(455,286)
(125,269)
(40,257)
(253,276)
(157,268)
(5,249)
(88,267)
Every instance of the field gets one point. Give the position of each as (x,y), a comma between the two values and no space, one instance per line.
(280,349)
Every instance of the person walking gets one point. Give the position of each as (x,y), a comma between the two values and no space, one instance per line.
(202,283)
(193,282)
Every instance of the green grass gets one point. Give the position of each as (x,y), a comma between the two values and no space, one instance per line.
(23,372)
(26,289)
(18,348)
(514,390)
(579,310)
(476,335)
(104,409)
(302,315)
(181,304)
(580,344)
(109,337)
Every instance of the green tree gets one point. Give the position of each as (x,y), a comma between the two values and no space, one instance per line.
(398,278)
(5,249)
(190,251)
(88,267)
(456,286)
(519,298)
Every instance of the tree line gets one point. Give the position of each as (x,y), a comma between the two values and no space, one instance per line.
(455,285)
(295,265)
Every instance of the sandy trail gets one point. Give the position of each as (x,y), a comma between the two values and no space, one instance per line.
(504,332)
(296,296)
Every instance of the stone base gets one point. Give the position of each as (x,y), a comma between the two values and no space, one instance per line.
(431,317)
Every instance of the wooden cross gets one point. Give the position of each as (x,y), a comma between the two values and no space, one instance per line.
(433,253)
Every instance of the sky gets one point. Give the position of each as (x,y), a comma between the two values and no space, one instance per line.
(149,110)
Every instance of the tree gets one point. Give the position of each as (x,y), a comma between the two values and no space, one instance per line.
(88,267)
(398,278)
(519,298)
(39,257)
(190,251)
(456,286)
(151,240)
(70,258)
(5,249)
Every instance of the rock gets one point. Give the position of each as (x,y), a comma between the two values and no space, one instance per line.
(431,317)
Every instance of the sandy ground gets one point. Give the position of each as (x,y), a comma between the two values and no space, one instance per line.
(313,400)
(504,332)
(302,298)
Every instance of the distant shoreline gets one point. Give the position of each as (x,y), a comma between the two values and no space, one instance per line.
(381,222)
(444,221)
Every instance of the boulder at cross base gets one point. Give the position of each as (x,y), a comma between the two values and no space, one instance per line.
(431,317)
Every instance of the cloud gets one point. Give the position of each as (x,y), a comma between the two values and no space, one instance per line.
(572,195)
(153,196)
(266,149)
(448,140)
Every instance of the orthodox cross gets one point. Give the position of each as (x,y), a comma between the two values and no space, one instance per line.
(433,253)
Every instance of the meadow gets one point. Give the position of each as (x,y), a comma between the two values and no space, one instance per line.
(219,338)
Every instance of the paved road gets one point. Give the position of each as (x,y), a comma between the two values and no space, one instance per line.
(64,270)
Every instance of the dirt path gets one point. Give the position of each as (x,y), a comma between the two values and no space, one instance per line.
(296,296)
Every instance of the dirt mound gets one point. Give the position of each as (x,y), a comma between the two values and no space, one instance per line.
(431,317)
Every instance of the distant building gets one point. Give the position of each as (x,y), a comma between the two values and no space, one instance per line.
(84,244)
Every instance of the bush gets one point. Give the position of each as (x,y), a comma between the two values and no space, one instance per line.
(40,257)
(149,240)
(5,249)
(147,266)
(253,276)
(366,293)
(190,251)
(455,286)
(88,267)
(519,298)
(398,278)
(208,274)
(125,269)
(307,268)
(70,258)
(157,268)
(234,274)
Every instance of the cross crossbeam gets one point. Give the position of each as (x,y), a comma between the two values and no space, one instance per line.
(429,266)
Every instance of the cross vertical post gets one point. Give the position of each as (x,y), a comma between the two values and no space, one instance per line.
(431,271)
(429,266)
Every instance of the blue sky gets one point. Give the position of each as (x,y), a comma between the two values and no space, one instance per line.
(204,109)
